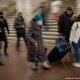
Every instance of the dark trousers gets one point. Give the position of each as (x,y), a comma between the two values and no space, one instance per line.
(67,38)
(21,34)
(76,47)
(6,44)
(3,38)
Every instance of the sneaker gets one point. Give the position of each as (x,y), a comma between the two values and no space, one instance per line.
(76,64)
(46,65)
(34,67)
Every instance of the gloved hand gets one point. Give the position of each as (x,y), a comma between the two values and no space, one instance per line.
(36,44)
(36,47)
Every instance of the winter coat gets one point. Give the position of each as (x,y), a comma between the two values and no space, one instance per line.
(3,25)
(19,25)
(75,32)
(34,35)
(64,24)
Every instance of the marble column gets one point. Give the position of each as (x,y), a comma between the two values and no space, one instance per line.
(78,6)
(25,7)
(28,7)
(27,10)
(19,6)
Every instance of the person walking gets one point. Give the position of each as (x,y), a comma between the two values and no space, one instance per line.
(65,22)
(3,25)
(35,43)
(19,25)
(75,41)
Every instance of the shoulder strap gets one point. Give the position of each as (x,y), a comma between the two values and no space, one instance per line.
(77,26)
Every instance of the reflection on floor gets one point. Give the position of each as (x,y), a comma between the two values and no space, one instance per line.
(17,68)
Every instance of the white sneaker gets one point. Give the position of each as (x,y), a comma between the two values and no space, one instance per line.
(76,64)
(34,67)
(46,65)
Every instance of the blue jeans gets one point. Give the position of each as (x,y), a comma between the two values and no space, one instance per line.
(76,51)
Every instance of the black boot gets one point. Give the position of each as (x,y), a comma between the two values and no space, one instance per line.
(1,64)
(5,52)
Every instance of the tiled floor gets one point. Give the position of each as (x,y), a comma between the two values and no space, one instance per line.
(17,68)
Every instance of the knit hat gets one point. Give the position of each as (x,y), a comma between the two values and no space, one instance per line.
(37,17)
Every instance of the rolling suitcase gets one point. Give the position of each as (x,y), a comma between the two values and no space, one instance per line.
(58,52)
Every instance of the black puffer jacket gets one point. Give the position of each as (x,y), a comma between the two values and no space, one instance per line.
(64,24)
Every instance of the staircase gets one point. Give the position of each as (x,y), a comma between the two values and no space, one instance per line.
(51,33)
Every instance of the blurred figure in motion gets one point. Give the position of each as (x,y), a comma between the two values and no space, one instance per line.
(55,9)
(65,22)
(3,25)
(43,9)
(75,41)
(42,12)
(36,48)
(19,25)
(3,38)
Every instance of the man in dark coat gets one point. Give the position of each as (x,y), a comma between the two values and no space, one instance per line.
(35,42)
(19,25)
(3,25)
(65,23)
